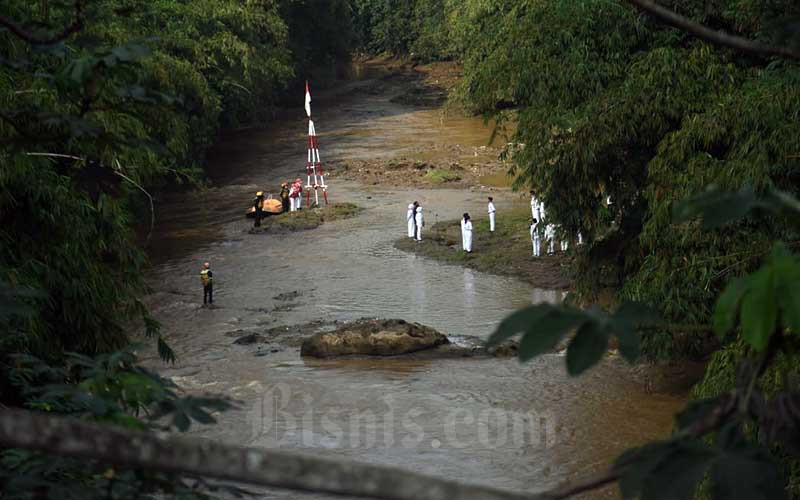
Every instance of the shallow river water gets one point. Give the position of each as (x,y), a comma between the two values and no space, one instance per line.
(491,421)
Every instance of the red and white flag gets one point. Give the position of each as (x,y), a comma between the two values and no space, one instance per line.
(308,101)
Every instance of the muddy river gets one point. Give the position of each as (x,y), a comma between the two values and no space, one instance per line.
(483,420)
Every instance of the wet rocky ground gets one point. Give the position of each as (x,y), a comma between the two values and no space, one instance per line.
(452,166)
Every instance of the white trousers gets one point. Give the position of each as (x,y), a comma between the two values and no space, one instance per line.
(491,222)
(466,243)
(410,228)
(537,246)
(551,245)
(564,245)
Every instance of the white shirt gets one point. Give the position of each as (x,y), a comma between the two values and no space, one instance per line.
(491,208)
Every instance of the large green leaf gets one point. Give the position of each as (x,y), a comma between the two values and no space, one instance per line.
(517,322)
(624,323)
(679,473)
(759,310)
(745,476)
(545,333)
(586,348)
(787,289)
(728,305)
(716,207)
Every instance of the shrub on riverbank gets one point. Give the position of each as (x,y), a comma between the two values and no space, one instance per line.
(439,176)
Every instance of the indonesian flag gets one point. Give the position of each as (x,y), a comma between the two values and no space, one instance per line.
(308,101)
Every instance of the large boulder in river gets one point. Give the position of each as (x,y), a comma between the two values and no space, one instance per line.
(373,337)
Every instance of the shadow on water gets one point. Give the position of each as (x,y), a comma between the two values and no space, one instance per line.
(491,421)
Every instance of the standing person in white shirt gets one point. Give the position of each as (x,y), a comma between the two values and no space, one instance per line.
(419,222)
(536,238)
(410,219)
(466,233)
(492,212)
(550,237)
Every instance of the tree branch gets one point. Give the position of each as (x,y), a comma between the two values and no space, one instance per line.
(77,25)
(707,34)
(208,459)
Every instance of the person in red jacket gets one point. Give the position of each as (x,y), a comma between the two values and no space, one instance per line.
(295,194)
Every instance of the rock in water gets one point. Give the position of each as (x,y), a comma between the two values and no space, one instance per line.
(374,338)
(249,339)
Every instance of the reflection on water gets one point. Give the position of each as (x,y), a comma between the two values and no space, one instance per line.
(350,269)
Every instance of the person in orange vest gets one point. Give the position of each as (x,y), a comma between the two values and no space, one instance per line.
(206,277)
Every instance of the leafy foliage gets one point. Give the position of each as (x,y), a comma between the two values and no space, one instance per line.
(610,103)
(714,437)
(127,101)
(545,325)
(109,388)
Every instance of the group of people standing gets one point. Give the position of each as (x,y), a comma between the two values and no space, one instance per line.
(291,198)
(547,231)
(539,230)
(292,195)
(414,221)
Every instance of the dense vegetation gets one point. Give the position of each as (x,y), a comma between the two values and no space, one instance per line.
(611,103)
(102,103)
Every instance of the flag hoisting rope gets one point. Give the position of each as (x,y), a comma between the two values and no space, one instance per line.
(314,165)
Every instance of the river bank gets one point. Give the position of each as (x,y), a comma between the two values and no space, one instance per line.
(306,218)
(281,288)
(506,252)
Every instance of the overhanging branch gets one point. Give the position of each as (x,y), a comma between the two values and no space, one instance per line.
(208,459)
(707,34)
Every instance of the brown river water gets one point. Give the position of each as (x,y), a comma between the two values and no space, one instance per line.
(483,420)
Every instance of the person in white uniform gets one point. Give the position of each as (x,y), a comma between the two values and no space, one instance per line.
(564,242)
(466,233)
(492,212)
(536,238)
(550,236)
(419,222)
(410,219)
(535,207)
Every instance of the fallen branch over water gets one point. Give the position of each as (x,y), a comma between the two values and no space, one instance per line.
(208,459)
